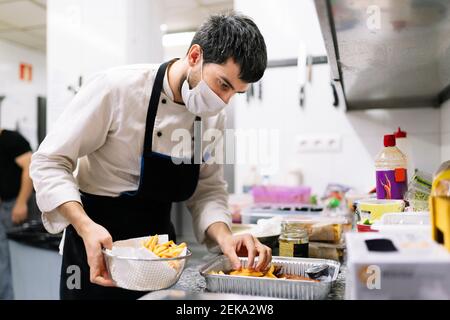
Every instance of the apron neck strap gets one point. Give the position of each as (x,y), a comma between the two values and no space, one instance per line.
(153,105)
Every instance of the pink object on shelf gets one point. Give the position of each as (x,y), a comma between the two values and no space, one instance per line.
(280,194)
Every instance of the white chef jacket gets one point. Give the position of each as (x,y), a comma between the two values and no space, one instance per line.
(104,126)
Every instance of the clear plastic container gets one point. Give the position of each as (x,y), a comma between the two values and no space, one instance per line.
(391,171)
(419,190)
(404,218)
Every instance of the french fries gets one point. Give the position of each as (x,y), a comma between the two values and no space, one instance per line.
(250,273)
(167,249)
(270,273)
(246,272)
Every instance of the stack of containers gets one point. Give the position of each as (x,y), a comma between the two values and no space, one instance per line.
(419,190)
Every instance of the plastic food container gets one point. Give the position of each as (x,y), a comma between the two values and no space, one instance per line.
(373,209)
(275,288)
(281,194)
(143,274)
(419,190)
(406,218)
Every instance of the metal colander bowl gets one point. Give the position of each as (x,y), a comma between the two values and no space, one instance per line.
(145,274)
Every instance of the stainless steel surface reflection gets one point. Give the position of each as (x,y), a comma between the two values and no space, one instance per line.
(389,53)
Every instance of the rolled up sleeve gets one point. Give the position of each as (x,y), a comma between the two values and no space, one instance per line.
(81,129)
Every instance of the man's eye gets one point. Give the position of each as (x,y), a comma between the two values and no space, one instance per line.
(224,86)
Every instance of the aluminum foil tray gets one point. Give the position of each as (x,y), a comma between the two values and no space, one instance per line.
(267,287)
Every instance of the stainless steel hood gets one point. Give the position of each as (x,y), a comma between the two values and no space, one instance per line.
(388,53)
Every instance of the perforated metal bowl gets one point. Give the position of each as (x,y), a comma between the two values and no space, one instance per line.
(143,274)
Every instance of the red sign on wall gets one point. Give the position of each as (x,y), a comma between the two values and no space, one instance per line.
(26,72)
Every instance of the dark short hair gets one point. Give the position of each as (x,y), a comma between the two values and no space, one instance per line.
(236,36)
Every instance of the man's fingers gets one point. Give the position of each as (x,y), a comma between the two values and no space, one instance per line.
(265,256)
(249,242)
(262,257)
(99,275)
(105,282)
(234,259)
(98,272)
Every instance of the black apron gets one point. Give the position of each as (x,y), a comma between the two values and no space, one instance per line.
(139,213)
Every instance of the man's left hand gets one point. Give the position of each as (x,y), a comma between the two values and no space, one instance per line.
(234,246)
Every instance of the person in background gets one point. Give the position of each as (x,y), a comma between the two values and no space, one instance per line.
(15,190)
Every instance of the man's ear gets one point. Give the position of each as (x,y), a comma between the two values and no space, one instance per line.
(194,54)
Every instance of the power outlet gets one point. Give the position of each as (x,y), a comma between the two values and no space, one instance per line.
(318,143)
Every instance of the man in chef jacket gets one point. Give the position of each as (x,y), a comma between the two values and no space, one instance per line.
(122,126)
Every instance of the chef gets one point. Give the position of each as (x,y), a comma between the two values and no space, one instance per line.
(117,133)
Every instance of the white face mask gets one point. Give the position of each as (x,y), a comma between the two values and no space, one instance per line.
(201,100)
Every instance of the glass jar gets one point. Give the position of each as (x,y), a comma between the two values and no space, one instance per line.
(293,240)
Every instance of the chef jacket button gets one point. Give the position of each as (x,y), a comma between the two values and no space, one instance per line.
(164,101)
(159,133)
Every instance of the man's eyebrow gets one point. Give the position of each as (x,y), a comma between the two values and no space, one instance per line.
(229,84)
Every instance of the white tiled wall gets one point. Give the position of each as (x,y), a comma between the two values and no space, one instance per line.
(361,132)
(20,105)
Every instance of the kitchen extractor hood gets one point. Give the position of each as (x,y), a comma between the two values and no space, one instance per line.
(388,53)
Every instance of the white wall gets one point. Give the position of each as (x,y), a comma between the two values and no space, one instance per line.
(20,105)
(445,128)
(89,36)
(284,23)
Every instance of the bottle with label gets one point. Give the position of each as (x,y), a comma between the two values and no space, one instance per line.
(402,142)
(391,171)
(293,240)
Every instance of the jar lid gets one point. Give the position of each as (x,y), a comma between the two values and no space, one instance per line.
(288,226)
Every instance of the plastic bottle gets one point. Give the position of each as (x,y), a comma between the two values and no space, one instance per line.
(391,171)
(402,142)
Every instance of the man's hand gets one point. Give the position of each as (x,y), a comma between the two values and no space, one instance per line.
(246,245)
(234,246)
(95,237)
(19,212)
